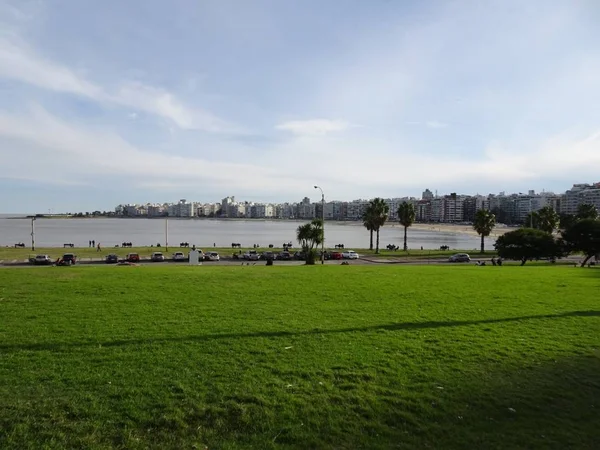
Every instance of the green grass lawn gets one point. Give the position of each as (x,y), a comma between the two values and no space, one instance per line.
(300,357)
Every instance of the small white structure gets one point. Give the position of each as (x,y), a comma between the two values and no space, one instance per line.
(194,257)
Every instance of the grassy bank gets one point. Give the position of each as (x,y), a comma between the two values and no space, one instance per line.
(299,357)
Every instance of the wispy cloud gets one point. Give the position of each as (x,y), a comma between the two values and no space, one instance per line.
(436,124)
(20,63)
(313,126)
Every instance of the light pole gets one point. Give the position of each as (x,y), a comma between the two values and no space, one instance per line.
(322,224)
(33,234)
(166,233)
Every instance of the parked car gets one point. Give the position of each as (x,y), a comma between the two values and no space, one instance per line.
(459,257)
(133,257)
(157,257)
(300,256)
(111,259)
(42,260)
(284,256)
(68,259)
(327,255)
(267,255)
(212,256)
(336,255)
(350,254)
(252,255)
(179,256)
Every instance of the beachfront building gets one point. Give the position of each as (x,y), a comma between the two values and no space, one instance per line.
(580,194)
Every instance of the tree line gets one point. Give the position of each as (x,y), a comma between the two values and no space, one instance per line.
(578,233)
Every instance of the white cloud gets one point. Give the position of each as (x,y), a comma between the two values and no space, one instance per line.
(17,62)
(132,115)
(436,124)
(314,126)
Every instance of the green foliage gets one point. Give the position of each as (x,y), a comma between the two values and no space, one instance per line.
(406,217)
(368,222)
(309,236)
(371,357)
(547,219)
(566,220)
(587,211)
(379,211)
(583,236)
(526,244)
(484,223)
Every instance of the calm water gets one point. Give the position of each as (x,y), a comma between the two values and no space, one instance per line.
(203,233)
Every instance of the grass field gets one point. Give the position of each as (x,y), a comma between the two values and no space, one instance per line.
(299,357)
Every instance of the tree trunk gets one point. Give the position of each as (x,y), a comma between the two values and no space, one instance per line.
(377,247)
(405,246)
(482,244)
(586,260)
(371,241)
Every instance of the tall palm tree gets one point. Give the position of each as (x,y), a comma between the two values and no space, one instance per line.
(310,235)
(380,210)
(547,219)
(406,217)
(367,218)
(484,223)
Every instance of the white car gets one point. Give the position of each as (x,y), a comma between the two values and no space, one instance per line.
(350,254)
(179,256)
(212,256)
(42,259)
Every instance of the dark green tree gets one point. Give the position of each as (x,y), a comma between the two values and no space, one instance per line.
(583,236)
(566,220)
(368,220)
(310,235)
(484,223)
(587,211)
(406,217)
(532,220)
(380,210)
(526,244)
(547,219)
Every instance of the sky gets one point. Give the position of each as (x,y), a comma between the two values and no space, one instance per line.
(141,101)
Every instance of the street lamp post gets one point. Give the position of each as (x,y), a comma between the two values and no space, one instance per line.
(166,233)
(33,234)
(322,224)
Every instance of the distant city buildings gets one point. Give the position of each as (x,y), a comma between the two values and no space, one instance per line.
(431,207)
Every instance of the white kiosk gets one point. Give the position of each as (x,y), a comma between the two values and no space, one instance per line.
(195,258)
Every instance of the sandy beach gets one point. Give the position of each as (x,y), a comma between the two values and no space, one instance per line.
(452,228)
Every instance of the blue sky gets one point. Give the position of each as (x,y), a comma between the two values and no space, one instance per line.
(148,100)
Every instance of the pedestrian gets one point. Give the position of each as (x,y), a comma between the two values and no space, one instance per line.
(93,242)
(99,249)
(90,244)
(214,244)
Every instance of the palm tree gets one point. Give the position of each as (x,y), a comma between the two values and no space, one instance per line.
(310,235)
(484,223)
(587,211)
(367,218)
(379,210)
(406,217)
(547,219)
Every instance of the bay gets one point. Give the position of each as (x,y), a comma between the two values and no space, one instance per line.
(208,232)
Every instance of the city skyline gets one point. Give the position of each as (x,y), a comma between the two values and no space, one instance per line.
(269,98)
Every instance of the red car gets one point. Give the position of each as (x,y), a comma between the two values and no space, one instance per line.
(335,255)
(133,257)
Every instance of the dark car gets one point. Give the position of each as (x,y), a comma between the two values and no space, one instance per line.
(300,256)
(111,259)
(284,256)
(267,256)
(459,257)
(69,259)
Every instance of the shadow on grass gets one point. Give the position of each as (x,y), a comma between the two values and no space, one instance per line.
(550,405)
(283,333)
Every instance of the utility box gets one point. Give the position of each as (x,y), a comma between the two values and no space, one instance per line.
(194,257)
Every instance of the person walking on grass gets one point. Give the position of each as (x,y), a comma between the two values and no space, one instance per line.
(99,249)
